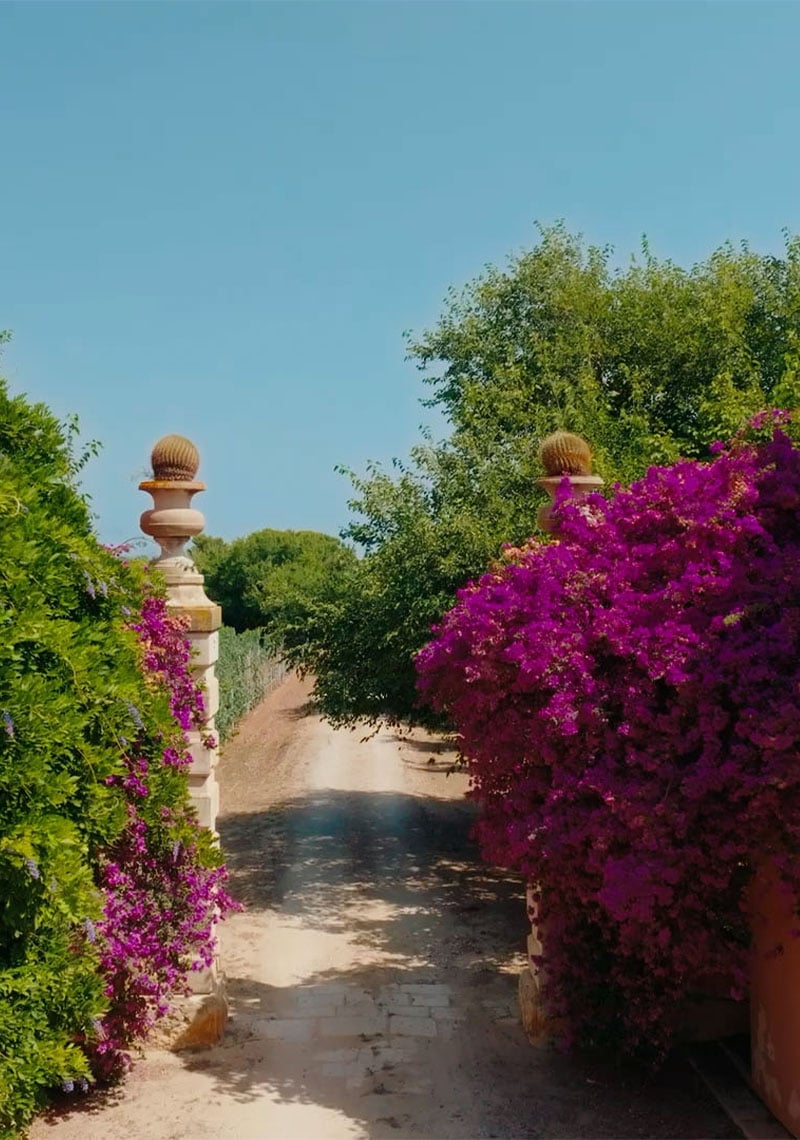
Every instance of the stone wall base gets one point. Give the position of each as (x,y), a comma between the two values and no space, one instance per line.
(538,1028)
(713,1019)
(194,1022)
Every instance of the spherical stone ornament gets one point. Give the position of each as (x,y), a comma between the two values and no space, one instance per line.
(563,453)
(175,457)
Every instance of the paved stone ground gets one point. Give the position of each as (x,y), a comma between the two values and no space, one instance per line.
(373,974)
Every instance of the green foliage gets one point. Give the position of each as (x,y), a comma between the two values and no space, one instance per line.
(421,545)
(273,579)
(69,675)
(649,363)
(247,669)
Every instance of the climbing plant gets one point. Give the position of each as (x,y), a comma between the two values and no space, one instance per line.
(627,700)
(650,360)
(108,887)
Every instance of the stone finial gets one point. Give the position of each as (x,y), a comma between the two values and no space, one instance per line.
(565,455)
(175,457)
(172,520)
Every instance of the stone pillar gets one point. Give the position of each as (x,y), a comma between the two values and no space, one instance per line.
(172,521)
(562,454)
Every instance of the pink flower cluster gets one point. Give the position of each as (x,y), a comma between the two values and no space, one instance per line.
(163,891)
(166,657)
(628,701)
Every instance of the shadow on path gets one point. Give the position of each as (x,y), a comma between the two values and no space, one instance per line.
(399,877)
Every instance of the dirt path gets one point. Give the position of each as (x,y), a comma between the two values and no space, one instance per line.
(373,974)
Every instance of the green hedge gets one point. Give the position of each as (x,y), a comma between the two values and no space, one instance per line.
(72,690)
(247,669)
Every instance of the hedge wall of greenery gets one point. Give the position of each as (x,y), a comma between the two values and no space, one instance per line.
(247,669)
(96,834)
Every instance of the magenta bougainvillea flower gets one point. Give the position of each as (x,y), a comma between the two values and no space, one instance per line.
(628,700)
(162,881)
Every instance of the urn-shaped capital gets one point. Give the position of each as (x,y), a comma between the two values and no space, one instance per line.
(564,456)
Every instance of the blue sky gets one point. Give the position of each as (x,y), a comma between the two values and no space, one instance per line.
(218,219)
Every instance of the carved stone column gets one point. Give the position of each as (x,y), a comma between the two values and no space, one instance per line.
(562,454)
(172,521)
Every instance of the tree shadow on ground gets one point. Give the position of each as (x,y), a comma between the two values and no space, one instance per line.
(311,852)
(433,746)
(516,1091)
(400,876)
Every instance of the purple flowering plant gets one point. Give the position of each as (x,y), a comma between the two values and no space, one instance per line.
(163,879)
(628,705)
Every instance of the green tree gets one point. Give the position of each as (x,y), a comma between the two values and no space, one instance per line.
(649,363)
(274,579)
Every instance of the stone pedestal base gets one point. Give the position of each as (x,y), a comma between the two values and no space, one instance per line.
(538,1029)
(195,1022)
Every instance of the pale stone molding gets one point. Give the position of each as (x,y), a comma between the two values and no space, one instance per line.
(172,521)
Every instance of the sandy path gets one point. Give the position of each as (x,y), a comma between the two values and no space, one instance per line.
(373,974)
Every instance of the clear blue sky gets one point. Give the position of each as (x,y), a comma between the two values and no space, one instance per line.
(218,219)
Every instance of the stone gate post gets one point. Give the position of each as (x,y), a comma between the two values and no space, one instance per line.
(172,521)
(562,454)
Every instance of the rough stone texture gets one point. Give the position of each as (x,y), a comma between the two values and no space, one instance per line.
(197,1022)
(412,1026)
(534,1020)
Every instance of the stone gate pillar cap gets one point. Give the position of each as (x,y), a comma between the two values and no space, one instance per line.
(171,485)
(174,458)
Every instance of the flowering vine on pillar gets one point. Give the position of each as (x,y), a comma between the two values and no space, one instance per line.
(564,455)
(172,521)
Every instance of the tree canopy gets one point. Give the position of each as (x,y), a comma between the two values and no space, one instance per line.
(650,362)
(273,579)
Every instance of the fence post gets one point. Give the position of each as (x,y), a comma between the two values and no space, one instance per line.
(172,521)
(562,454)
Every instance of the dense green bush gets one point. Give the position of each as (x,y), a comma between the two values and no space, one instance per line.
(248,667)
(273,580)
(67,669)
(91,758)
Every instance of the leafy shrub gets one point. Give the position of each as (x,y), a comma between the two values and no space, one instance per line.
(92,784)
(247,669)
(162,879)
(628,705)
(273,579)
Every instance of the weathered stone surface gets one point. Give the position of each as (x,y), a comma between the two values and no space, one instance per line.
(286,1028)
(352,1026)
(412,1026)
(537,1027)
(197,1022)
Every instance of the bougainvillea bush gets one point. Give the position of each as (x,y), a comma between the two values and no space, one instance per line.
(108,888)
(629,705)
(162,879)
